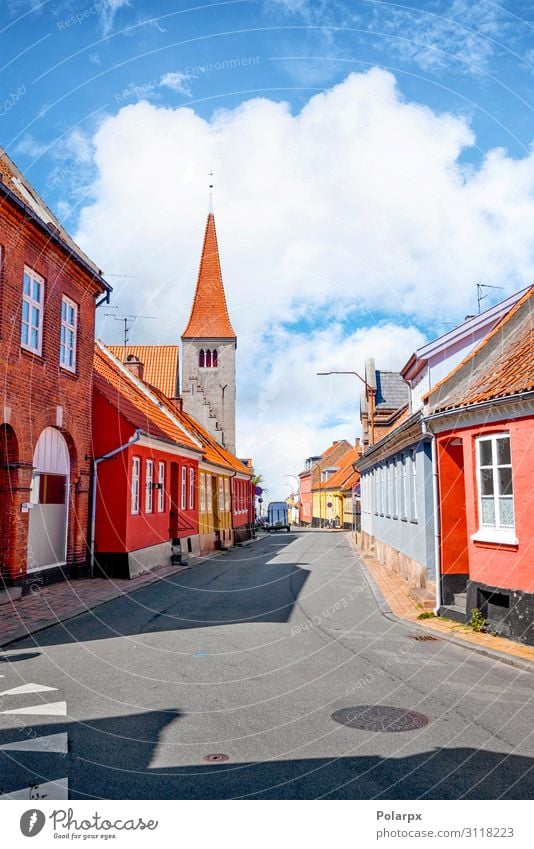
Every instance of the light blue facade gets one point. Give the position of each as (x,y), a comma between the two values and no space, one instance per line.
(397,504)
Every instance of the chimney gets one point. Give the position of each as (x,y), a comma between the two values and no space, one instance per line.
(134,365)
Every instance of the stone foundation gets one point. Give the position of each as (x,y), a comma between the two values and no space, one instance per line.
(412,571)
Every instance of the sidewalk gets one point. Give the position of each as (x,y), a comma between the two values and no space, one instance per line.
(50,605)
(393,597)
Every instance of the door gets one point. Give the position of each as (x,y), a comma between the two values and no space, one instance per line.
(174,492)
(49,499)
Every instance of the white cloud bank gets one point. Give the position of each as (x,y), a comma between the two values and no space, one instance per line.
(356,207)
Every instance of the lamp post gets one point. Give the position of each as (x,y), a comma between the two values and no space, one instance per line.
(371,392)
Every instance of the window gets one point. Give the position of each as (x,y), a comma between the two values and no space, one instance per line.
(209,494)
(149,480)
(69,318)
(495,486)
(136,468)
(214,359)
(413,486)
(395,490)
(208,359)
(184,488)
(221,493)
(191,489)
(226,494)
(201,358)
(202,491)
(404,492)
(388,479)
(161,490)
(31,334)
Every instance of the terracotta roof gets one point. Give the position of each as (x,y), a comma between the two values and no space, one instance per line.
(345,475)
(134,403)
(213,452)
(16,183)
(209,314)
(501,366)
(160,364)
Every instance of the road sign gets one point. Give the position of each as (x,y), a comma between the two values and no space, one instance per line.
(258,490)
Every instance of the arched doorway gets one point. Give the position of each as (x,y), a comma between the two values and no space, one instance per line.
(49,513)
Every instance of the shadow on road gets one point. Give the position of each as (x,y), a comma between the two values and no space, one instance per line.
(120,752)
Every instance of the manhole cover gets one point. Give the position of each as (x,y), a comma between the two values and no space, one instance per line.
(216,758)
(380,718)
(424,638)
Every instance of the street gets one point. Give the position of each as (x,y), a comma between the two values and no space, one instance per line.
(247,656)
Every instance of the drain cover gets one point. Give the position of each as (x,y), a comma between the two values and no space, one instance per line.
(380,718)
(216,758)
(424,638)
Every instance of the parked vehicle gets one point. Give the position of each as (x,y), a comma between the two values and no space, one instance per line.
(277,518)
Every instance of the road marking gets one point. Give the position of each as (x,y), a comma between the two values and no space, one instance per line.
(58,789)
(50,709)
(49,743)
(27,688)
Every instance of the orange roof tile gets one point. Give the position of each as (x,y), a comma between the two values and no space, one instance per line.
(160,364)
(212,450)
(133,402)
(340,478)
(209,317)
(501,366)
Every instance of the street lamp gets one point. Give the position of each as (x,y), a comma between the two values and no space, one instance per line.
(370,389)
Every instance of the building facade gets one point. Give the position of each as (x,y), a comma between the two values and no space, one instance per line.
(48,295)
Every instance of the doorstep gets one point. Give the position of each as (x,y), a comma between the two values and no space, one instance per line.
(392,594)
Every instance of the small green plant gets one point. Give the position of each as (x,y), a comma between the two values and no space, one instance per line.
(477,621)
(427,614)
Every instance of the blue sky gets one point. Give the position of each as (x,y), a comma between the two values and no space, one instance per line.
(373,161)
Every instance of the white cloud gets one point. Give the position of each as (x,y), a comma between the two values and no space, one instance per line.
(177,82)
(354,209)
(108,12)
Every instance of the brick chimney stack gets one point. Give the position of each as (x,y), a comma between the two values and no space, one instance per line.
(135,365)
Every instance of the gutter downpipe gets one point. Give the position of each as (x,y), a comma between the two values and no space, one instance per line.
(135,438)
(435,504)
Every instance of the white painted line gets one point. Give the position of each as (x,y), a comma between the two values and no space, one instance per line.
(49,743)
(50,709)
(27,688)
(58,789)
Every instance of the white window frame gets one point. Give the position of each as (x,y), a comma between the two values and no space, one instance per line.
(404,486)
(413,485)
(499,533)
(32,304)
(209,494)
(183,500)
(161,487)
(388,479)
(395,490)
(227,502)
(149,480)
(202,492)
(191,489)
(134,491)
(221,493)
(66,328)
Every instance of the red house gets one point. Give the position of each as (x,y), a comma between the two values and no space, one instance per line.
(145,471)
(481,416)
(48,293)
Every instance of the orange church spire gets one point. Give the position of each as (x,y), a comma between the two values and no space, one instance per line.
(209,317)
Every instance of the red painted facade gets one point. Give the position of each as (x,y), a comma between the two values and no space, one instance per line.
(305,498)
(497,565)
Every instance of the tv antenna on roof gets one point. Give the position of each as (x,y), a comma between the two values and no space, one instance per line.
(125,319)
(480,294)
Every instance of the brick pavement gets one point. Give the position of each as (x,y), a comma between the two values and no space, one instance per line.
(396,593)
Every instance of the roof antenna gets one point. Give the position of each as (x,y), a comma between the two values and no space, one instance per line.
(480,294)
(127,326)
(210,205)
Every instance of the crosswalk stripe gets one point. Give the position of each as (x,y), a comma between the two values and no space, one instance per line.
(27,688)
(58,789)
(48,743)
(50,709)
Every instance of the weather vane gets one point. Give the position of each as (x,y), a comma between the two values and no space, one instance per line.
(210,175)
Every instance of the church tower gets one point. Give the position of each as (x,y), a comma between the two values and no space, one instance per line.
(209,349)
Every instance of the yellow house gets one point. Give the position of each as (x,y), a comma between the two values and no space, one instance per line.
(329,505)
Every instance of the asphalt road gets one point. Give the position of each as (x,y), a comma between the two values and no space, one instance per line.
(248,655)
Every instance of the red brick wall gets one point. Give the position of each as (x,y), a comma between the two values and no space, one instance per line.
(32,387)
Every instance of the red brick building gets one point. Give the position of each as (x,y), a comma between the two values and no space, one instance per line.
(49,289)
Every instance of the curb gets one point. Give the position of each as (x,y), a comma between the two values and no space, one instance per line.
(385,610)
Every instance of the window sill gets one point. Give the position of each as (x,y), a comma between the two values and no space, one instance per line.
(34,355)
(67,372)
(496,535)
